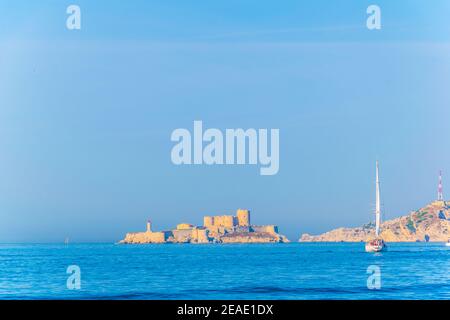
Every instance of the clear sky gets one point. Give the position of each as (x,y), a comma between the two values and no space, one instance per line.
(86,115)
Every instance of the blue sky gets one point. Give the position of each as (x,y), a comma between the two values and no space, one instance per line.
(86,116)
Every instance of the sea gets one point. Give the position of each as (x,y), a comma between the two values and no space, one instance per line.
(224,271)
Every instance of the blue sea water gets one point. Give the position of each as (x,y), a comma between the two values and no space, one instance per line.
(235,271)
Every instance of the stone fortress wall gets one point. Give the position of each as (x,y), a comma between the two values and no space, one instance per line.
(220,225)
(240,222)
(242,219)
(268,229)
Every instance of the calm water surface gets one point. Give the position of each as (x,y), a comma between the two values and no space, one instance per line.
(242,271)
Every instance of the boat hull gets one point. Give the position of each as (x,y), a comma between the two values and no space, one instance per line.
(377,245)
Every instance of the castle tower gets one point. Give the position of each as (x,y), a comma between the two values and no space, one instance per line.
(149,226)
(208,221)
(243,216)
(440,193)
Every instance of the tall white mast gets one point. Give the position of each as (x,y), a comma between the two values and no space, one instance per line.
(377,206)
(440,193)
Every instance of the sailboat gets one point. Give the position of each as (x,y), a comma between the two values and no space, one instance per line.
(441,198)
(377,244)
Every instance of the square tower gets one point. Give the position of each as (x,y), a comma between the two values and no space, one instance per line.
(243,216)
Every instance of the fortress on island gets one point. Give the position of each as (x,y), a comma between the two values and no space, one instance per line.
(215,229)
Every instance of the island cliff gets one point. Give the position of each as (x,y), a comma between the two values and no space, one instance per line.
(431,223)
(215,229)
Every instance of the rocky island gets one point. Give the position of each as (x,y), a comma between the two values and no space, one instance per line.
(431,223)
(215,229)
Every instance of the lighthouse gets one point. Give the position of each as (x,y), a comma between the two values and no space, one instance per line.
(149,226)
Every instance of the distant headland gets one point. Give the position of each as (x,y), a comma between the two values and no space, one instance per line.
(428,224)
(215,229)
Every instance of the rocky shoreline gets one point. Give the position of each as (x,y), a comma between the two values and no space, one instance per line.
(428,224)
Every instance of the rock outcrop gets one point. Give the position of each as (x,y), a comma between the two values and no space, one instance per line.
(252,237)
(431,223)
